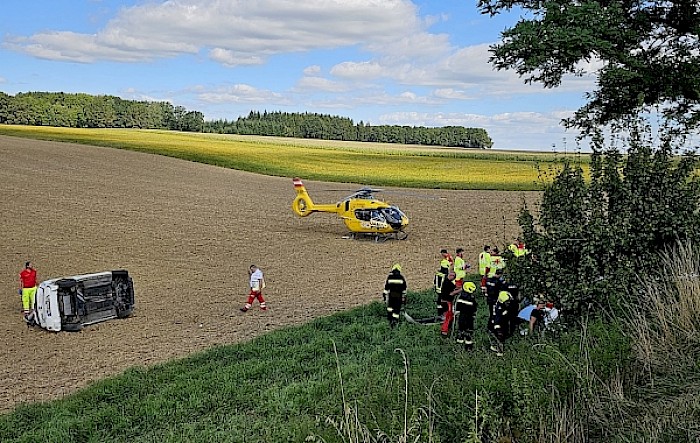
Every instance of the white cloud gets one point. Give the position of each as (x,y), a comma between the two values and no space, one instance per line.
(241,93)
(372,97)
(69,46)
(312,70)
(230,58)
(320,84)
(469,70)
(433,19)
(243,33)
(413,47)
(452,94)
(238,29)
(358,70)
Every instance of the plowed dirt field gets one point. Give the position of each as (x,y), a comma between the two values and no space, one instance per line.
(187,233)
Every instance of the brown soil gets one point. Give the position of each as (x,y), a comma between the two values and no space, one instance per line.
(187,233)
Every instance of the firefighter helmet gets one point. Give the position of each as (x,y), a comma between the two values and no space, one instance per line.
(469,287)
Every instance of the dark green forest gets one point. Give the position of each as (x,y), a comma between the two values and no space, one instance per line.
(327,127)
(103,111)
(88,111)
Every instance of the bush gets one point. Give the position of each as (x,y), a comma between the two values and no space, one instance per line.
(594,234)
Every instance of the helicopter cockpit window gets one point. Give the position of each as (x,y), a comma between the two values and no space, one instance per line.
(393,215)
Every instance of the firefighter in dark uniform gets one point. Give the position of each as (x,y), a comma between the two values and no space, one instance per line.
(494,285)
(505,316)
(514,292)
(446,262)
(394,294)
(466,307)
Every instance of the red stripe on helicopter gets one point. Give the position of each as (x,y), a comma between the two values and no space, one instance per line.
(298,183)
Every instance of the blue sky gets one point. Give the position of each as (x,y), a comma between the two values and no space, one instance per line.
(421,62)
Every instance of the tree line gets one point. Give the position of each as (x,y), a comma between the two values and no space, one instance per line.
(328,127)
(104,111)
(89,111)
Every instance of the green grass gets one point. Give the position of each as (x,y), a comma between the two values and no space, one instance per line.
(349,162)
(284,386)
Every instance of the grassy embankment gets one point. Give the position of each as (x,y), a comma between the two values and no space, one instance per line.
(286,386)
(352,162)
(350,378)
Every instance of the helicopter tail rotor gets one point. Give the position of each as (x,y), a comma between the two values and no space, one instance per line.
(302,204)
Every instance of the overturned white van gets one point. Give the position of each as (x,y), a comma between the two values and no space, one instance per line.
(71,303)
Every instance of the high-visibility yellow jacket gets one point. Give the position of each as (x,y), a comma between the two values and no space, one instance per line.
(460,264)
(518,250)
(484,263)
(497,262)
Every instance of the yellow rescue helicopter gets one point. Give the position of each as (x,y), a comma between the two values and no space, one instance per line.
(363,214)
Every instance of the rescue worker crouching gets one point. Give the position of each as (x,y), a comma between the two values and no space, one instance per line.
(394,294)
(537,317)
(466,307)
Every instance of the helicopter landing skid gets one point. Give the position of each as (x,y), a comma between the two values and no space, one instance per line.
(377,237)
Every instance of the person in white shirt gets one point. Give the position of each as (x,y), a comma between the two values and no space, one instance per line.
(257,284)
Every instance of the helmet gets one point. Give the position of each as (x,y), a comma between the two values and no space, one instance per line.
(504,296)
(468,287)
(396,267)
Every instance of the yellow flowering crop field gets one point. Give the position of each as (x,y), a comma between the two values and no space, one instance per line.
(337,161)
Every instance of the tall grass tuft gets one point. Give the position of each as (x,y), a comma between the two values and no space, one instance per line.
(666,324)
(563,423)
(657,399)
(351,429)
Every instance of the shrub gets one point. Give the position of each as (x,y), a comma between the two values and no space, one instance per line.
(593,235)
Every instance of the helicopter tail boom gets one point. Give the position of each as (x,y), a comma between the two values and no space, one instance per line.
(302,204)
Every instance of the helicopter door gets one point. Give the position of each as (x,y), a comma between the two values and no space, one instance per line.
(362,214)
(374,216)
